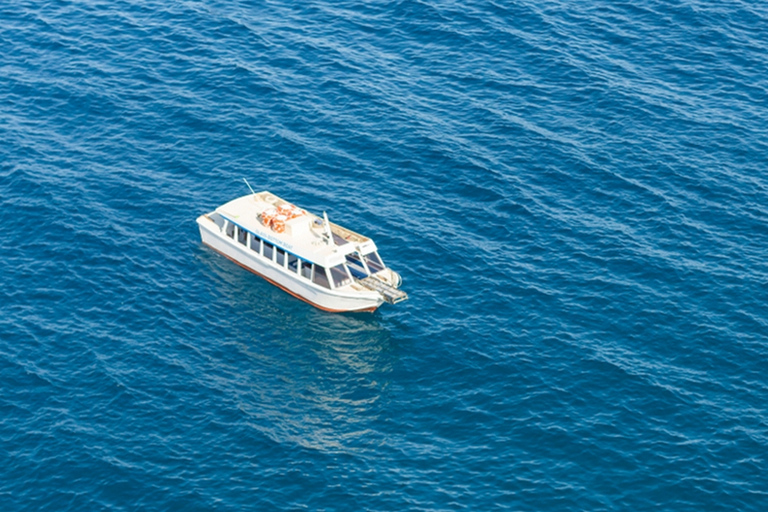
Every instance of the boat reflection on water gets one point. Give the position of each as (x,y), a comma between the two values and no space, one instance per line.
(301,376)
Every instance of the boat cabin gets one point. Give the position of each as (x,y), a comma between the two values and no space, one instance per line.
(298,242)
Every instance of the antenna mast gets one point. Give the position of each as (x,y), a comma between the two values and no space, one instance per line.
(327,229)
(249,186)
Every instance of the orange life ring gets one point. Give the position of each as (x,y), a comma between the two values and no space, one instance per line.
(278,223)
(267,216)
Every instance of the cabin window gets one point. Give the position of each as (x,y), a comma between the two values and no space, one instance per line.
(374,262)
(340,276)
(306,269)
(320,277)
(356,266)
(242,235)
(255,244)
(268,249)
(280,256)
(230,230)
(293,262)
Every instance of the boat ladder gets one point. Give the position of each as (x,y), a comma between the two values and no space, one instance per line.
(390,293)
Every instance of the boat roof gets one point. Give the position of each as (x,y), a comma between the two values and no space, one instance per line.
(303,235)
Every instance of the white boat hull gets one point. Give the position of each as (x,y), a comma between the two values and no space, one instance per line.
(337,300)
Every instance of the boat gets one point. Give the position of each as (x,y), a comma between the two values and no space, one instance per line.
(329,266)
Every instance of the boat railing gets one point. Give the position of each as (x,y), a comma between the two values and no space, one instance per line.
(347,235)
(390,294)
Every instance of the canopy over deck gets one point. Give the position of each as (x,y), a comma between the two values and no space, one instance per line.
(295,230)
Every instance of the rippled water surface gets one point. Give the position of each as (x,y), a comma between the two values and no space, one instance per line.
(576,195)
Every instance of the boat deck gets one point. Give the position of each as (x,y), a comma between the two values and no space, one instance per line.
(302,234)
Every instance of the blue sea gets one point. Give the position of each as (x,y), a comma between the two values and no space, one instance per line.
(574,192)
